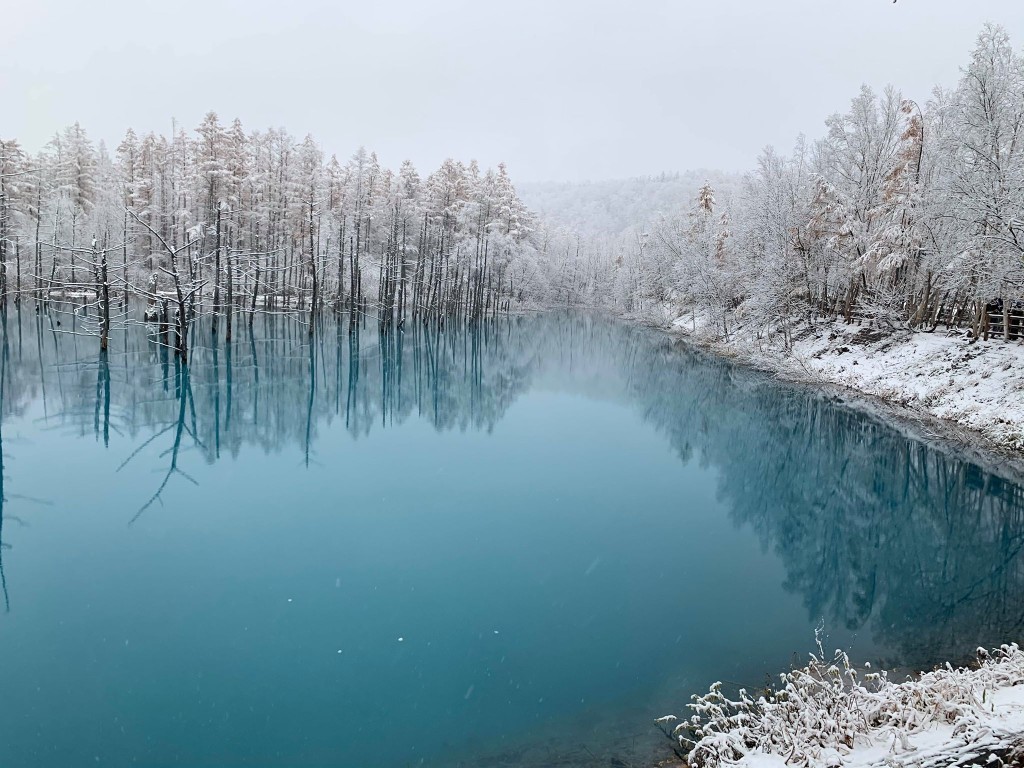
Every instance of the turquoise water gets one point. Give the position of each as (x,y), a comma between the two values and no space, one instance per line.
(515,545)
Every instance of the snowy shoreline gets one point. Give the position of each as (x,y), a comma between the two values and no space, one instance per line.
(940,388)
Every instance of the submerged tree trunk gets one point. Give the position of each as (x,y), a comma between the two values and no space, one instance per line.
(103,289)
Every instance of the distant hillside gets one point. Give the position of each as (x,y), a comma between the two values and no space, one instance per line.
(615,206)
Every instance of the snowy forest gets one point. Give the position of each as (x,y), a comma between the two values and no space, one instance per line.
(235,221)
(906,213)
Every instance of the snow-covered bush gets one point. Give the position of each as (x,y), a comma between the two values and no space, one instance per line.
(829,714)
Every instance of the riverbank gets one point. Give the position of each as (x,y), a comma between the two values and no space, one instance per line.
(969,394)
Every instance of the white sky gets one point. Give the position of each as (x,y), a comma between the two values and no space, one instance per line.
(559,89)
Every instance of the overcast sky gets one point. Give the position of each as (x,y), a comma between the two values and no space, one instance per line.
(559,89)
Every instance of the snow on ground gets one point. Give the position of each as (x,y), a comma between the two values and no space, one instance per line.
(979,385)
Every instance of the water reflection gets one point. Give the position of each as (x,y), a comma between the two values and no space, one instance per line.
(5,352)
(876,531)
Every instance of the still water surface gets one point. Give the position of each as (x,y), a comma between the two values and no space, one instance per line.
(515,545)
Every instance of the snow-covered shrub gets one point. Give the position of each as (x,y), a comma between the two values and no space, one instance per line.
(823,713)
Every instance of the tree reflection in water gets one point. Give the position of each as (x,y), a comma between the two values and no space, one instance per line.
(877,531)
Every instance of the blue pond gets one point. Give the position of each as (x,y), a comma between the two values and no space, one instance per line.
(510,545)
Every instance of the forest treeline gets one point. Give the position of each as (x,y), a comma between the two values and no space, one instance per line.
(906,213)
(224,221)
